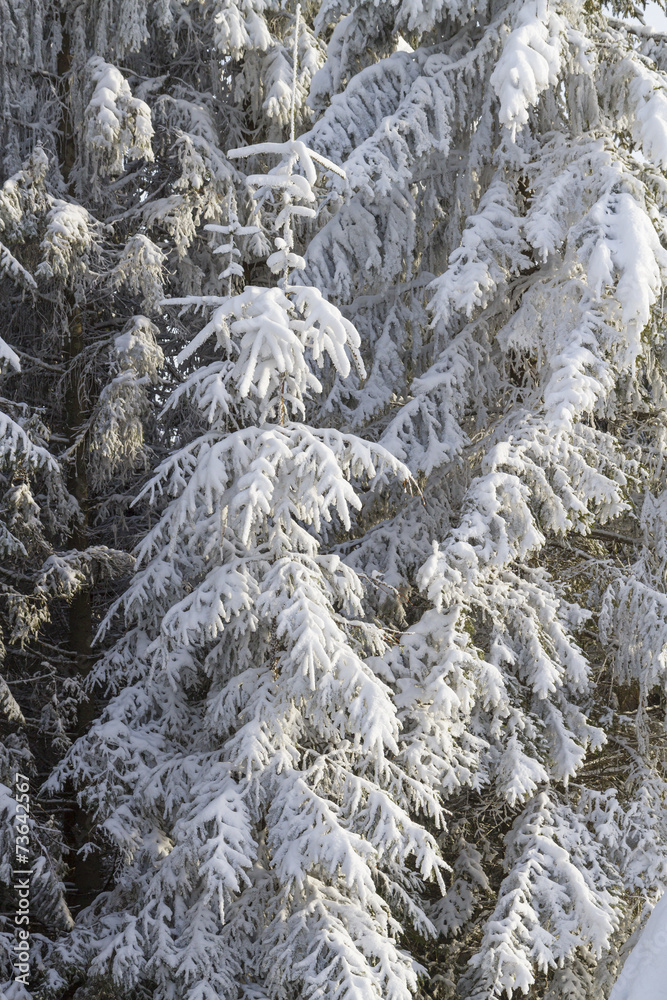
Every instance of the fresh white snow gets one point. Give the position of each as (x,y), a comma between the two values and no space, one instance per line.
(644,975)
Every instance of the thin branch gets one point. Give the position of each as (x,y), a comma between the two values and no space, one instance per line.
(615,536)
(41,364)
(642,30)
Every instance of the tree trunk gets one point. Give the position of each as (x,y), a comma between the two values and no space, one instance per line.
(86,874)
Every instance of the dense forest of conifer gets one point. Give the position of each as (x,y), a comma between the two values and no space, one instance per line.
(333,509)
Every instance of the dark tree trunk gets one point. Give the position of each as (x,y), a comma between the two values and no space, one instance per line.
(86,875)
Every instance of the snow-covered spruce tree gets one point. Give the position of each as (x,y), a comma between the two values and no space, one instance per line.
(75,390)
(249,769)
(499,245)
(113,121)
(108,173)
(35,508)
